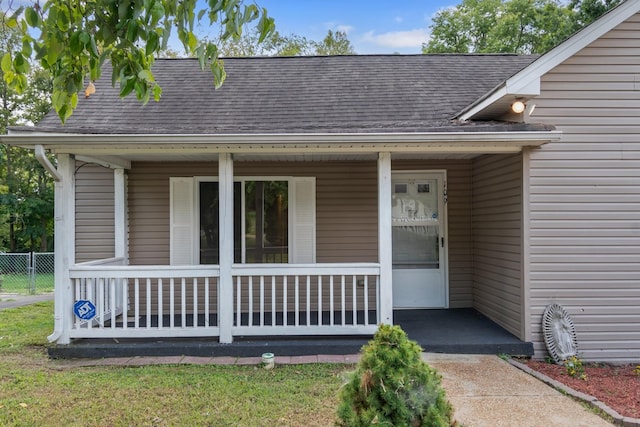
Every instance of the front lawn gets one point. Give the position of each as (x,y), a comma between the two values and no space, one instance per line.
(38,392)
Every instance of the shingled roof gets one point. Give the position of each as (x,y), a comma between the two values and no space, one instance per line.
(266,95)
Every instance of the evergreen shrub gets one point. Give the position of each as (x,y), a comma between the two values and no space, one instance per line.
(393,386)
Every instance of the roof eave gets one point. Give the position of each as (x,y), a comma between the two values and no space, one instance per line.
(472,142)
(526,83)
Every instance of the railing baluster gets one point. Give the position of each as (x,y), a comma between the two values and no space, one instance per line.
(238,301)
(250,294)
(297,301)
(354,282)
(77,297)
(125,305)
(308,300)
(331,302)
(101,302)
(172,298)
(319,300)
(183,303)
(136,299)
(285,301)
(89,294)
(366,300)
(148,312)
(261,300)
(206,302)
(160,319)
(273,300)
(195,302)
(377,300)
(343,299)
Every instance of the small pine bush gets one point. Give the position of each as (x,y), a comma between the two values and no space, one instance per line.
(393,386)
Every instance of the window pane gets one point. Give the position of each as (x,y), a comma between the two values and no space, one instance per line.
(209,211)
(209,224)
(266,221)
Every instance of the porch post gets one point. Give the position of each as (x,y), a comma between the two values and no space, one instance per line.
(65,248)
(384,238)
(225,302)
(120,215)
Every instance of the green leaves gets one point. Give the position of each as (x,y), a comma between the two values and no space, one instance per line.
(76,37)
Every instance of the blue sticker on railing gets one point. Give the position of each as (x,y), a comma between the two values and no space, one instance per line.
(84,309)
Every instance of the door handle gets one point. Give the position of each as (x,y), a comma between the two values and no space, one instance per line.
(442,241)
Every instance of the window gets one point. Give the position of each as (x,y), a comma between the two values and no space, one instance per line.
(274,220)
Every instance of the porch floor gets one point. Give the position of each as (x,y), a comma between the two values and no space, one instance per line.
(455,331)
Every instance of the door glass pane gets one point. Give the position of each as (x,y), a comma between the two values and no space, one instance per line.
(416,246)
(209,224)
(416,229)
(266,221)
(415,201)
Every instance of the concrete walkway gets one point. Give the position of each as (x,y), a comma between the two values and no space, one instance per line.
(18,300)
(486,391)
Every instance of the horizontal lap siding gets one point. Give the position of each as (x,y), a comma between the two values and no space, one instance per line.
(497,239)
(94,212)
(459,224)
(585,197)
(148,201)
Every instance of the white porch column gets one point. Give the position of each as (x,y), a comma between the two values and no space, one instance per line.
(225,300)
(65,248)
(120,215)
(384,238)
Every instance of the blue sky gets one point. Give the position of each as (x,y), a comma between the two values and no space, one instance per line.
(373,26)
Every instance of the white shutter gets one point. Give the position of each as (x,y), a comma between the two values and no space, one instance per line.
(303,212)
(182,221)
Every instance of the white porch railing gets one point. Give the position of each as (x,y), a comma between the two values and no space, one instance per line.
(152,301)
(314,299)
(184,301)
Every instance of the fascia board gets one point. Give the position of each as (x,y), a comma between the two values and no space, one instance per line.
(440,142)
(526,82)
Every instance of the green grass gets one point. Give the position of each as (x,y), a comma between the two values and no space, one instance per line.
(38,392)
(19,283)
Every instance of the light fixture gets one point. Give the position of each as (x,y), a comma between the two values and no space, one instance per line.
(518,106)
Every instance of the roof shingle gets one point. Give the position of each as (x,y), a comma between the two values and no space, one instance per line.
(350,94)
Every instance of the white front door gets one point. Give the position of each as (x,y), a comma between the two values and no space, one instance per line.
(418,230)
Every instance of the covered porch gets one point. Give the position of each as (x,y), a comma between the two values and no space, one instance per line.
(141,293)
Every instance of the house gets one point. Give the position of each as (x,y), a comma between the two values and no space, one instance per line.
(315,195)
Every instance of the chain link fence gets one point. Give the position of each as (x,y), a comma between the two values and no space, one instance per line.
(29,273)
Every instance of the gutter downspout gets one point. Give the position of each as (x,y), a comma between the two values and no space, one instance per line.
(44,161)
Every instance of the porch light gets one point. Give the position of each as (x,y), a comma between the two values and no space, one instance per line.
(518,106)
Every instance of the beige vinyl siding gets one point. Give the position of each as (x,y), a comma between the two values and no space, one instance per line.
(459,188)
(585,198)
(94,212)
(497,239)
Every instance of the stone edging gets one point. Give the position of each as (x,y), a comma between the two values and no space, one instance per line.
(618,419)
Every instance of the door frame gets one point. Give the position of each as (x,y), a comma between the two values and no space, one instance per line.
(442,175)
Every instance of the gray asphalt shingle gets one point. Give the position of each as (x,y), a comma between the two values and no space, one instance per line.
(367,93)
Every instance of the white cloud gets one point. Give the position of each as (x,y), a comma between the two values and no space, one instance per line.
(398,19)
(398,39)
(344,28)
